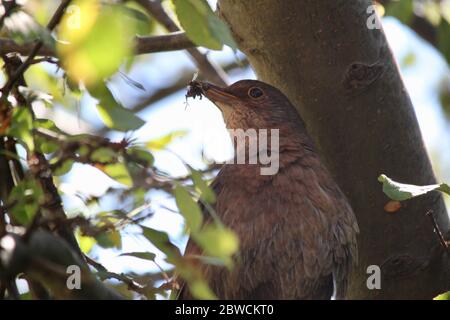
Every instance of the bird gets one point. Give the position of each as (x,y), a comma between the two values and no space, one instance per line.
(297,230)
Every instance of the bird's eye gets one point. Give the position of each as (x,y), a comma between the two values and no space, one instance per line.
(255,92)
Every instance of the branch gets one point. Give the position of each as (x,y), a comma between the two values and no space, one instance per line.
(143,45)
(213,72)
(168,42)
(438,232)
(45,259)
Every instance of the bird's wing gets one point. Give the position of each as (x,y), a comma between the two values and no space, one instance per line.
(345,252)
(191,247)
(328,236)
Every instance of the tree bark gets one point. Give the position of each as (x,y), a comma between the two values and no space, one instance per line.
(343,79)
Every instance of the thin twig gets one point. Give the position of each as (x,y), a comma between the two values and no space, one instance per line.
(104,274)
(438,231)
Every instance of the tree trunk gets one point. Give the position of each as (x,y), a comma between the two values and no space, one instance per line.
(343,79)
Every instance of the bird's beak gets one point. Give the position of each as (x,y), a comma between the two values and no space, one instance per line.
(218,95)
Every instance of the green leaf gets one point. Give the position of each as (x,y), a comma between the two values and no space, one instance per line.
(161,241)
(444,39)
(141,156)
(202,26)
(217,241)
(400,191)
(162,142)
(103,155)
(143,24)
(113,114)
(25,199)
(403,10)
(109,239)
(200,290)
(64,168)
(221,31)
(188,208)
(21,126)
(86,243)
(95,45)
(119,172)
(26,296)
(43,145)
(203,189)
(141,255)
(40,79)
(119,118)
(444,296)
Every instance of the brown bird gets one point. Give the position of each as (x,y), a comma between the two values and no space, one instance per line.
(296,228)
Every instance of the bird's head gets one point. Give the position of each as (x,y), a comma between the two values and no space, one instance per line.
(251,104)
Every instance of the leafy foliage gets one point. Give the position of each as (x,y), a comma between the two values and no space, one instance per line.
(400,191)
(91,43)
(201,24)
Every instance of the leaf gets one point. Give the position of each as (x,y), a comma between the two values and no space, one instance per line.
(103,155)
(96,39)
(210,260)
(217,241)
(141,156)
(143,24)
(46,124)
(141,255)
(25,199)
(399,191)
(221,31)
(162,142)
(432,12)
(204,190)
(403,10)
(21,126)
(202,26)
(444,39)
(161,241)
(131,82)
(444,296)
(40,79)
(109,239)
(64,168)
(188,208)
(114,115)
(86,243)
(200,290)
(43,145)
(119,172)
